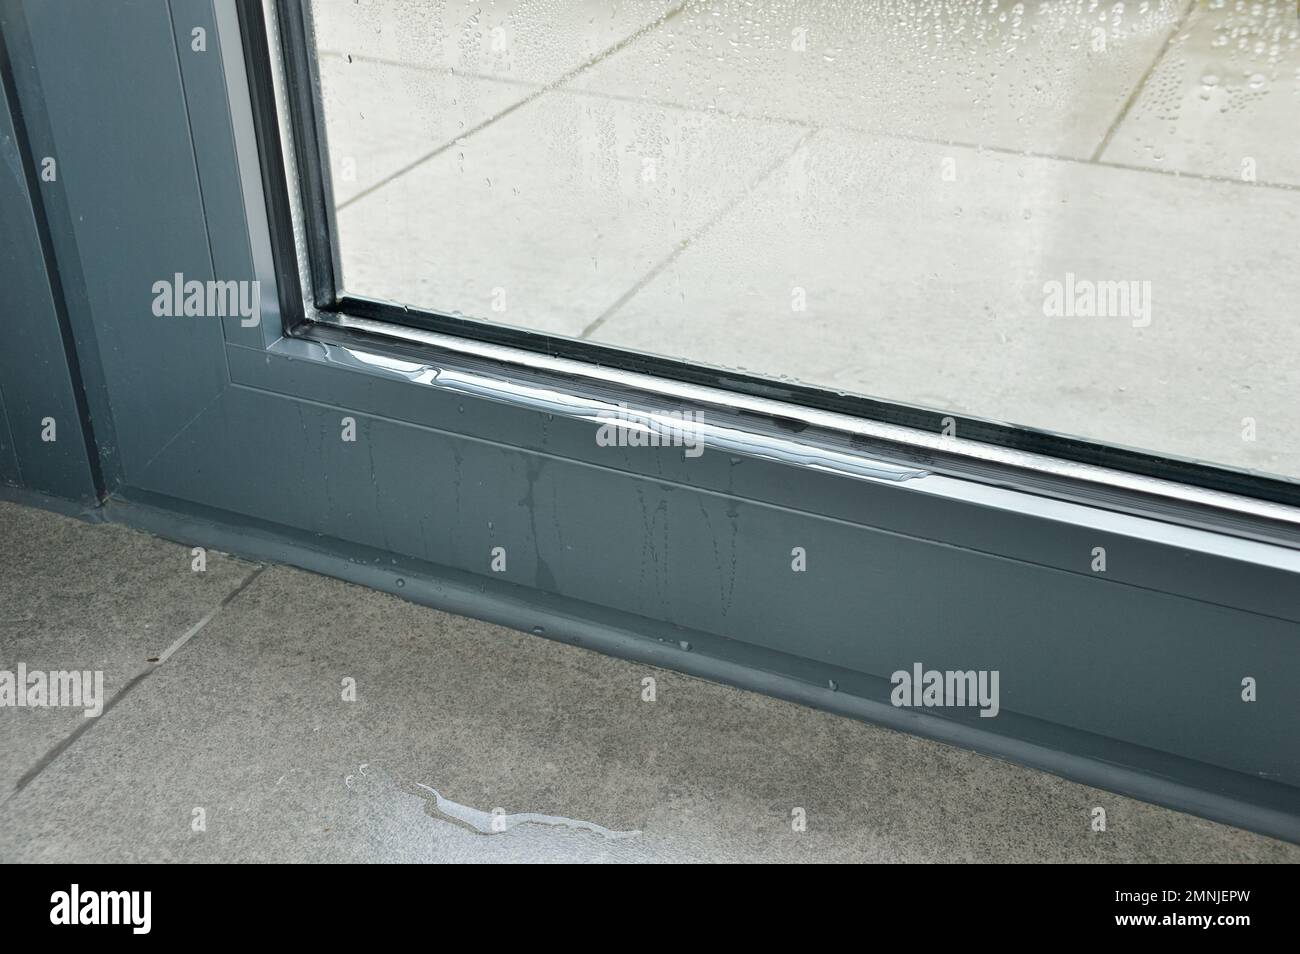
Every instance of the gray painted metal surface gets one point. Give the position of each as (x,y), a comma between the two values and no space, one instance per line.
(42,445)
(1129,679)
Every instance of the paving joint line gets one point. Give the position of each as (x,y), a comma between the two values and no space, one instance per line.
(71,738)
(1141,84)
(540,91)
(726,209)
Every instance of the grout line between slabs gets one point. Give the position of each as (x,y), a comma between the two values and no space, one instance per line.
(71,738)
(535,94)
(197,627)
(1141,84)
(726,209)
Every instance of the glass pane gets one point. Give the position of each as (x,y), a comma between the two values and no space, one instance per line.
(1071,215)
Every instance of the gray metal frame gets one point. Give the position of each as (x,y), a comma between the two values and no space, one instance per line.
(40,383)
(229,436)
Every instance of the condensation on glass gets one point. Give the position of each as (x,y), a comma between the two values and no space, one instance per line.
(1071,215)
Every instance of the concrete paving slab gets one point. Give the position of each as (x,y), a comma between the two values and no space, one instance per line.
(546,217)
(927,291)
(1224,99)
(87,597)
(454,720)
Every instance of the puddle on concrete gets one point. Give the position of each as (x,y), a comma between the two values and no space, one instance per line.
(407,821)
(497,822)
